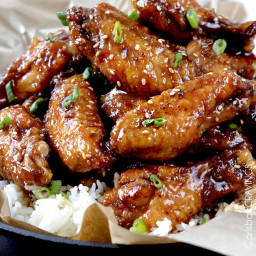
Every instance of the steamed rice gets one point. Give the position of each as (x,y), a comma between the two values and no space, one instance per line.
(64,217)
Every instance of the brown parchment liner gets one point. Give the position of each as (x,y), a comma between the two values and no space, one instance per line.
(227,234)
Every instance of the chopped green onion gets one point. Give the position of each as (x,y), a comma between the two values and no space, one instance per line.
(192,18)
(148,121)
(65,195)
(51,38)
(219,46)
(55,187)
(71,98)
(118,32)
(6,121)
(232,126)
(178,57)
(157,121)
(204,220)
(9,92)
(43,193)
(133,15)
(87,73)
(35,105)
(139,226)
(157,182)
(62,17)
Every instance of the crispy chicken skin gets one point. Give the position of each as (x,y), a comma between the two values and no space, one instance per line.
(169,17)
(23,150)
(185,190)
(32,72)
(190,109)
(200,51)
(76,132)
(218,139)
(116,103)
(141,63)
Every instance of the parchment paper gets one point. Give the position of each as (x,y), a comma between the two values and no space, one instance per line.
(227,234)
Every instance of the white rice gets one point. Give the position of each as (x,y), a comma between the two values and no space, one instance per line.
(55,214)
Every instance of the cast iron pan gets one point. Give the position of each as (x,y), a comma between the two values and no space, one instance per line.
(16,241)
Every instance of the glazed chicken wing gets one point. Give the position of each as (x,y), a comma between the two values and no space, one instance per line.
(116,103)
(32,72)
(169,17)
(189,110)
(142,63)
(23,150)
(184,191)
(76,131)
(200,50)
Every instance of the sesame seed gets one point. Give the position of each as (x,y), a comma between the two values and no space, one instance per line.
(91,17)
(171,70)
(145,132)
(237,134)
(137,47)
(216,19)
(195,54)
(151,54)
(111,71)
(243,79)
(111,56)
(143,81)
(182,8)
(97,54)
(220,107)
(234,102)
(90,101)
(205,46)
(159,8)
(88,155)
(147,66)
(217,119)
(104,36)
(118,83)
(176,89)
(150,102)
(147,115)
(241,121)
(107,12)
(184,54)
(178,4)
(172,93)
(96,45)
(161,41)
(90,88)
(237,166)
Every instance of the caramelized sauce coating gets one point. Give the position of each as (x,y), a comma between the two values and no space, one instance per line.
(116,103)
(200,52)
(190,109)
(141,64)
(184,192)
(169,17)
(76,132)
(23,150)
(32,72)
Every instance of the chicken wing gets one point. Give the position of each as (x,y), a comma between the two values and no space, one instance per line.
(23,150)
(142,63)
(188,110)
(76,131)
(31,73)
(184,191)
(169,17)
(116,103)
(200,51)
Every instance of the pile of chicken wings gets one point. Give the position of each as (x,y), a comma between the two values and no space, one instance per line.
(143,94)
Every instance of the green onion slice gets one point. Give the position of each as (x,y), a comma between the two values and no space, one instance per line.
(51,38)
(43,193)
(192,18)
(55,187)
(139,226)
(159,121)
(156,121)
(178,57)
(65,195)
(62,17)
(35,105)
(219,46)
(6,122)
(232,126)
(133,15)
(71,98)
(9,92)
(204,220)
(118,32)
(157,182)
(87,73)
